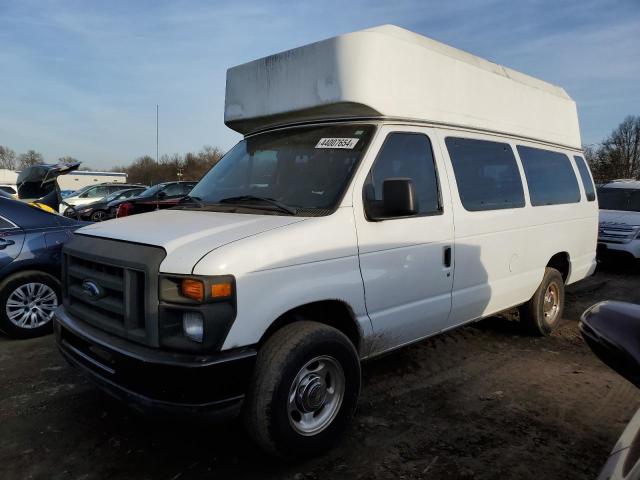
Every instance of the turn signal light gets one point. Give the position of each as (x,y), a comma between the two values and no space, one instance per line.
(221,290)
(193,289)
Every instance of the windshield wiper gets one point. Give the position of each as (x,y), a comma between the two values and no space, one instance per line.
(190,199)
(247,198)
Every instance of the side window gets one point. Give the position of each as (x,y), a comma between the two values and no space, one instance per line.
(187,187)
(5,224)
(550,177)
(486,173)
(586,178)
(406,155)
(173,190)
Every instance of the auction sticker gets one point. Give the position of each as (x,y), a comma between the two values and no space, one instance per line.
(347,143)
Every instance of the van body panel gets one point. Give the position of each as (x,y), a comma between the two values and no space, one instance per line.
(285,268)
(407,285)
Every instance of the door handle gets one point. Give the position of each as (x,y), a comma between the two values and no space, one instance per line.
(4,243)
(446,256)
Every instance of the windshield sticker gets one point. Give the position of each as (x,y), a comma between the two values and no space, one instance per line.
(347,143)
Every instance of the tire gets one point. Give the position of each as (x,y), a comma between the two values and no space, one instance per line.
(44,288)
(276,424)
(535,314)
(98,216)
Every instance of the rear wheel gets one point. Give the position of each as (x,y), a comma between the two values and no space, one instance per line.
(304,390)
(541,315)
(27,302)
(98,216)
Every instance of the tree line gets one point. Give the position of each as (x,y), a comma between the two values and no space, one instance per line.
(618,156)
(145,169)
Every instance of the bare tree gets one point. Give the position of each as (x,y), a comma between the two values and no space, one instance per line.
(619,154)
(30,158)
(7,158)
(67,159)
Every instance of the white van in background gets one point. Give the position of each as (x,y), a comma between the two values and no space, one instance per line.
(388,188)
(619,231)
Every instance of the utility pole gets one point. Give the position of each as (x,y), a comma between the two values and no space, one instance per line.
(157,117)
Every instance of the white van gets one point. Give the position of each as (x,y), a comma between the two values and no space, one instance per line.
(619,231)
(388,188)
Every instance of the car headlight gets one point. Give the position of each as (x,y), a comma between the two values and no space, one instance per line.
(196,289)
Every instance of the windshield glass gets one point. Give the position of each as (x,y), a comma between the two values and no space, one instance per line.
(302,168)
(627,199)
(151,191)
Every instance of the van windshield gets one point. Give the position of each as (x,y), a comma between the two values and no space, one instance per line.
(301,170)
(627,199)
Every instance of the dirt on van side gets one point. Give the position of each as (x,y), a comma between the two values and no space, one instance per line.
(485,401)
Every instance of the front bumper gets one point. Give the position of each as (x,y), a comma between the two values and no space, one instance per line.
(631,248)
(153,379)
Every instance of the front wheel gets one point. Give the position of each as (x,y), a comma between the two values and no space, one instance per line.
(304,390)
(542,314)
(27,302)
(99,216)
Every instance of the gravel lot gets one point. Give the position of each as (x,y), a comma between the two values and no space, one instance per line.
(485,401)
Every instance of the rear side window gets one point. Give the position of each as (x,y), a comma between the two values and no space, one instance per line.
(586,178)
(550,177)
(406,155)
(486,173)
(4,224)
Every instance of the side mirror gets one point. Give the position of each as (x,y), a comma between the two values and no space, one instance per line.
(612,331)
(398,200)
(162,195)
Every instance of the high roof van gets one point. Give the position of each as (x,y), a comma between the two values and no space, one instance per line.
(388,188)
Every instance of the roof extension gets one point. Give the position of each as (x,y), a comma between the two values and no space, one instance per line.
(394,73)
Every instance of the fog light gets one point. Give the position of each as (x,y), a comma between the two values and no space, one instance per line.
(193,326)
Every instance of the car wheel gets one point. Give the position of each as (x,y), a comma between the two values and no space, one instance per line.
(27,302)
(304,390)
(542,314)
(98,216)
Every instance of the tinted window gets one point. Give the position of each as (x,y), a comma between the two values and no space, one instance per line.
(173,190)
(486,173)
(405,155)
(586,178)
(8,189)
(187,187)
(627,199)
(5,224)
(550,177)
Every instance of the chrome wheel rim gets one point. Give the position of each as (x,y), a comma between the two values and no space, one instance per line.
(551,304)
(31,305)
(98,216)
(316,395)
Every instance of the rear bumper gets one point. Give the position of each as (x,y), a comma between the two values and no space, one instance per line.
(155,380)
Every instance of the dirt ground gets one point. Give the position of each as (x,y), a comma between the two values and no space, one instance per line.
(485,401)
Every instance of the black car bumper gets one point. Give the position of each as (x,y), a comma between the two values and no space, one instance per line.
(152,379)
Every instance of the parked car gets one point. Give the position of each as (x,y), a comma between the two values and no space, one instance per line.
(91,194)
(30,266)
(98,211)
(365,209)
(612,330)
(619,231)
(10,189)
(158,197)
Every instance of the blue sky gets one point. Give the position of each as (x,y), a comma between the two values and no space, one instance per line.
(82,78)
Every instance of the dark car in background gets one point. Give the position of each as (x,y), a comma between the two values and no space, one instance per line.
(160,196)
(98,211)
(30,266)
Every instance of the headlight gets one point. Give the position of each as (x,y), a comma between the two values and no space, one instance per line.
(196,289)
(193,326)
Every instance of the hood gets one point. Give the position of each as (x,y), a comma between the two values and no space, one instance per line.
(617,216)
(186,235)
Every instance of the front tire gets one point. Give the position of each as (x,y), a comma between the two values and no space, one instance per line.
(27,302)
(99,216)
(304,390)
(542,314)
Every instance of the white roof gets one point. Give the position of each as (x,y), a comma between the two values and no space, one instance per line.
(391,72)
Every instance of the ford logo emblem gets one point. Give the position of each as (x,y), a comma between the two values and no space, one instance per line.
(92,289)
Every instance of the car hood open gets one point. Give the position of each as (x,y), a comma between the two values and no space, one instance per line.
(186,235)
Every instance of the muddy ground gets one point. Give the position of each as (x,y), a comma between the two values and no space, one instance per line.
(485,401)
